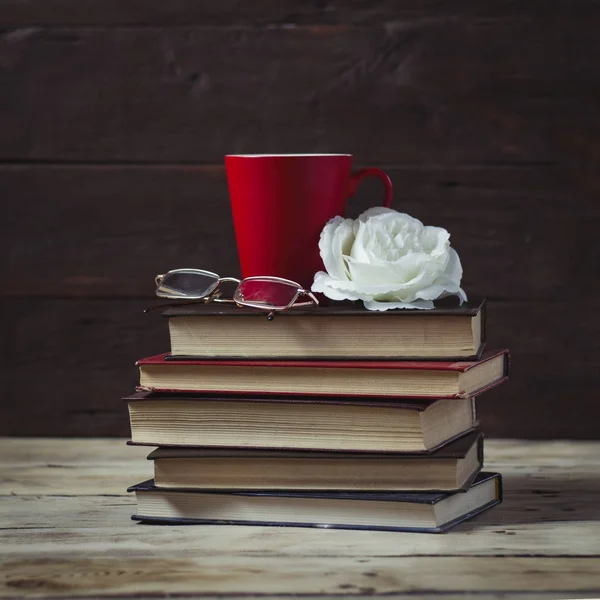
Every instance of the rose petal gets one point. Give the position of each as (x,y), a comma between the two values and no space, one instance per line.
(375,211)
(434,240)
(335,241)
(333,288)
(411,271)
(453,271)
(359,252)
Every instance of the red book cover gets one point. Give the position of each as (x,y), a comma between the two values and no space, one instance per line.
(351,378)
(167,359)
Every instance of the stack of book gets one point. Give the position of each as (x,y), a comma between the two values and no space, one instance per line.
(332,416)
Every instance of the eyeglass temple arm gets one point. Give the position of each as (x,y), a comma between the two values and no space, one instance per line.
(313,301)
(313,298)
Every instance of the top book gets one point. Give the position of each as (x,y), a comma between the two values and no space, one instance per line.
(447,332)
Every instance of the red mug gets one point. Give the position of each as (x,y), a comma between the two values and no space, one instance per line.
(280,204)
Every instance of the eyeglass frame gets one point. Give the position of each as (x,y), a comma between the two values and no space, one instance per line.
(214,295)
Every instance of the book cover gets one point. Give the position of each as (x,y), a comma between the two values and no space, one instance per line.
(455,448)
(453,467)
(281,422)
(444,307)
(398,378)
(412,404)
(400,365)
(383,511)
(340,330)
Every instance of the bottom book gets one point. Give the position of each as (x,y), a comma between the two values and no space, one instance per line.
(434,512)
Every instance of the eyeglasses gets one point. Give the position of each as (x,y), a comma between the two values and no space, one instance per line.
(272,294)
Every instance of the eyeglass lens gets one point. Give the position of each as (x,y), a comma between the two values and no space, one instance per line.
(265,292)
(187,284)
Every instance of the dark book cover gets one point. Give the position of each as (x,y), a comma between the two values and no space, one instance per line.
(417,404)
(445,307)
(430,498)
(455,449)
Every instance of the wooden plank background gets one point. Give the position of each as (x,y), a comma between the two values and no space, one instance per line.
(115,116)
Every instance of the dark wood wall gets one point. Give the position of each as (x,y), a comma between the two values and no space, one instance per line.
(115,116)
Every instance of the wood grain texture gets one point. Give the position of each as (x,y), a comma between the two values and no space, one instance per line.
(107,231)
(107,13)
(428,91)
(62,535)
(85,364)
(108,519)
(85,577)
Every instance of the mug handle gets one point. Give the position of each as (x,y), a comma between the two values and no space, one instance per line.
(359,175)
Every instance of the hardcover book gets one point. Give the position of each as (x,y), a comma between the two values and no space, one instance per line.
(291,423)
(387,511)
(392,378)
(450,468)
(212,330)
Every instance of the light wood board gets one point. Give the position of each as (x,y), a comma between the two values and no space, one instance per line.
(65,532)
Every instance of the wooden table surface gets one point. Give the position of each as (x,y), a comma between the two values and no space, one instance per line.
(66,532)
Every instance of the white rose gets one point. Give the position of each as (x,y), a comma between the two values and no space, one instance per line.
(388,260)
